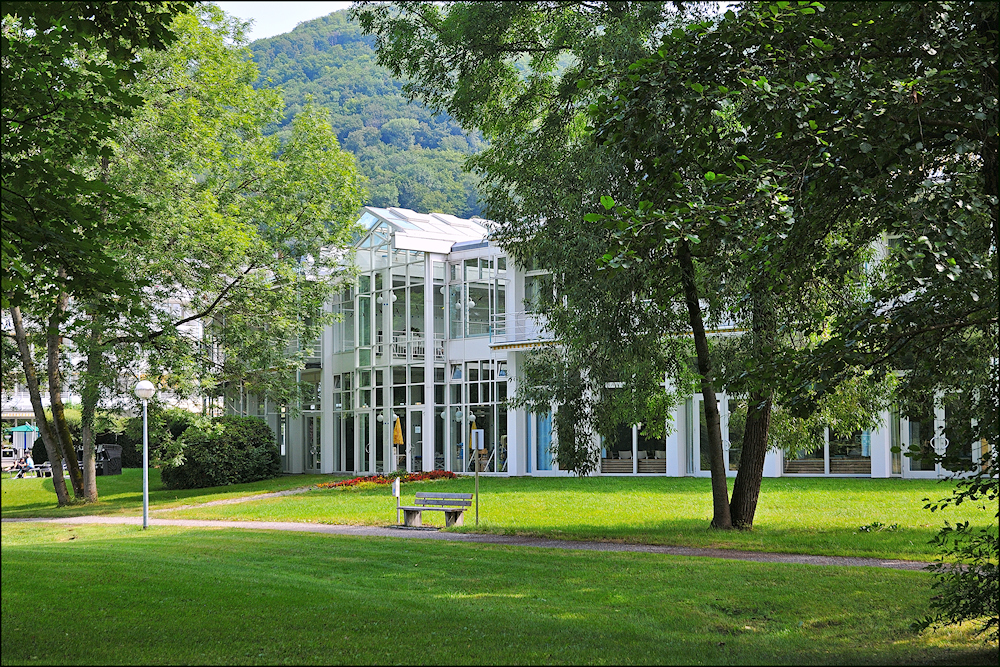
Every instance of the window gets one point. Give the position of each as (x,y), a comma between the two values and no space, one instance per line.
(537,292)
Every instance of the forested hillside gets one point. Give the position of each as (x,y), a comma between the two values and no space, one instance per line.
(412,158)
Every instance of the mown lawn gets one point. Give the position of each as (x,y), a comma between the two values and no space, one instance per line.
(811,516)
(94,594)
(122,494)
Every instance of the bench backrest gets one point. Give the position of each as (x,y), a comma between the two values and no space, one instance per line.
(432,499)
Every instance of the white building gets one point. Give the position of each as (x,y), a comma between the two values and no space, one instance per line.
(428,349)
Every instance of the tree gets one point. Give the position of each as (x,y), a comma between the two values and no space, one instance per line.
(832,105)
(66,68)
(543,174)
(739,159)
(411,156)
(715,200)
(241,236)
(66,73)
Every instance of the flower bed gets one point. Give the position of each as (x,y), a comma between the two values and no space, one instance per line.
(385,479)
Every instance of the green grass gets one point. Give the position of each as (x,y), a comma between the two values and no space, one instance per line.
(122,494)
(96,594)
(811,516)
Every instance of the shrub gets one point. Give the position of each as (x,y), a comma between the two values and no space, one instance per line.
(226,450)
(165,428)
(968,586)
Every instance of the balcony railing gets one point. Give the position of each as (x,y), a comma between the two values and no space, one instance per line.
(410,346)
(517,327)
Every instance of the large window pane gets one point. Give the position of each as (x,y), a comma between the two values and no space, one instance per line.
(959,449)
(478,306)
(921,450)
(456,308)
(416,309)
(543,440)
(364,321)
(537,292)
(737,428)
(850,454)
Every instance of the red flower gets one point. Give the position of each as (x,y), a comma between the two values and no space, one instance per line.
(381,479)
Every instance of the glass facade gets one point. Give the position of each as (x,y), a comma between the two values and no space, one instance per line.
(417,363)
(396,400)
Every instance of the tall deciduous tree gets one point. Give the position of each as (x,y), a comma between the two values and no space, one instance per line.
(240,236)
(66,74)
(243,230)
(835,105)
(543,174)
(751,161)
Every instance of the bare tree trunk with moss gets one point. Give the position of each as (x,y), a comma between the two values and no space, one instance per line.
(89,394)
(63,437)
(720,492)
(31,380)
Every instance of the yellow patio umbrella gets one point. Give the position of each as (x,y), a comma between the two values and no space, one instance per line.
(397,432)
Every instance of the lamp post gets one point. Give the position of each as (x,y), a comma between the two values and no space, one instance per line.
(145,390)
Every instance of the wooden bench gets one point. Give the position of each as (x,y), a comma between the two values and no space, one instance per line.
(43,470)
(452,504)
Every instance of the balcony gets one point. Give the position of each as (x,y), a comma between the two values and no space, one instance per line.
(512,331)
(408,347)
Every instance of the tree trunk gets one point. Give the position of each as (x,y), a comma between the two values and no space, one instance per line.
(90,393)
(746,491)
(31,379)
(61,431)
(720,492)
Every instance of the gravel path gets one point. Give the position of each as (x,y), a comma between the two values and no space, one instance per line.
(510,540)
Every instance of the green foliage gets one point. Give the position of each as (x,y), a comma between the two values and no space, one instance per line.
(68,69)
(165,426)
(966,572)
(855,405)
(518,72)
(235,224)
(859,101)
(411,156)
(226,450)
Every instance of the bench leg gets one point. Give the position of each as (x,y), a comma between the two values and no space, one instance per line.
(454,518)
(413,518)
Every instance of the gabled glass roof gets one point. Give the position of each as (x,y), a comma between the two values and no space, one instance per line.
(430,231)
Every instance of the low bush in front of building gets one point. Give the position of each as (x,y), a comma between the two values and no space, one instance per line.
(222,451)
